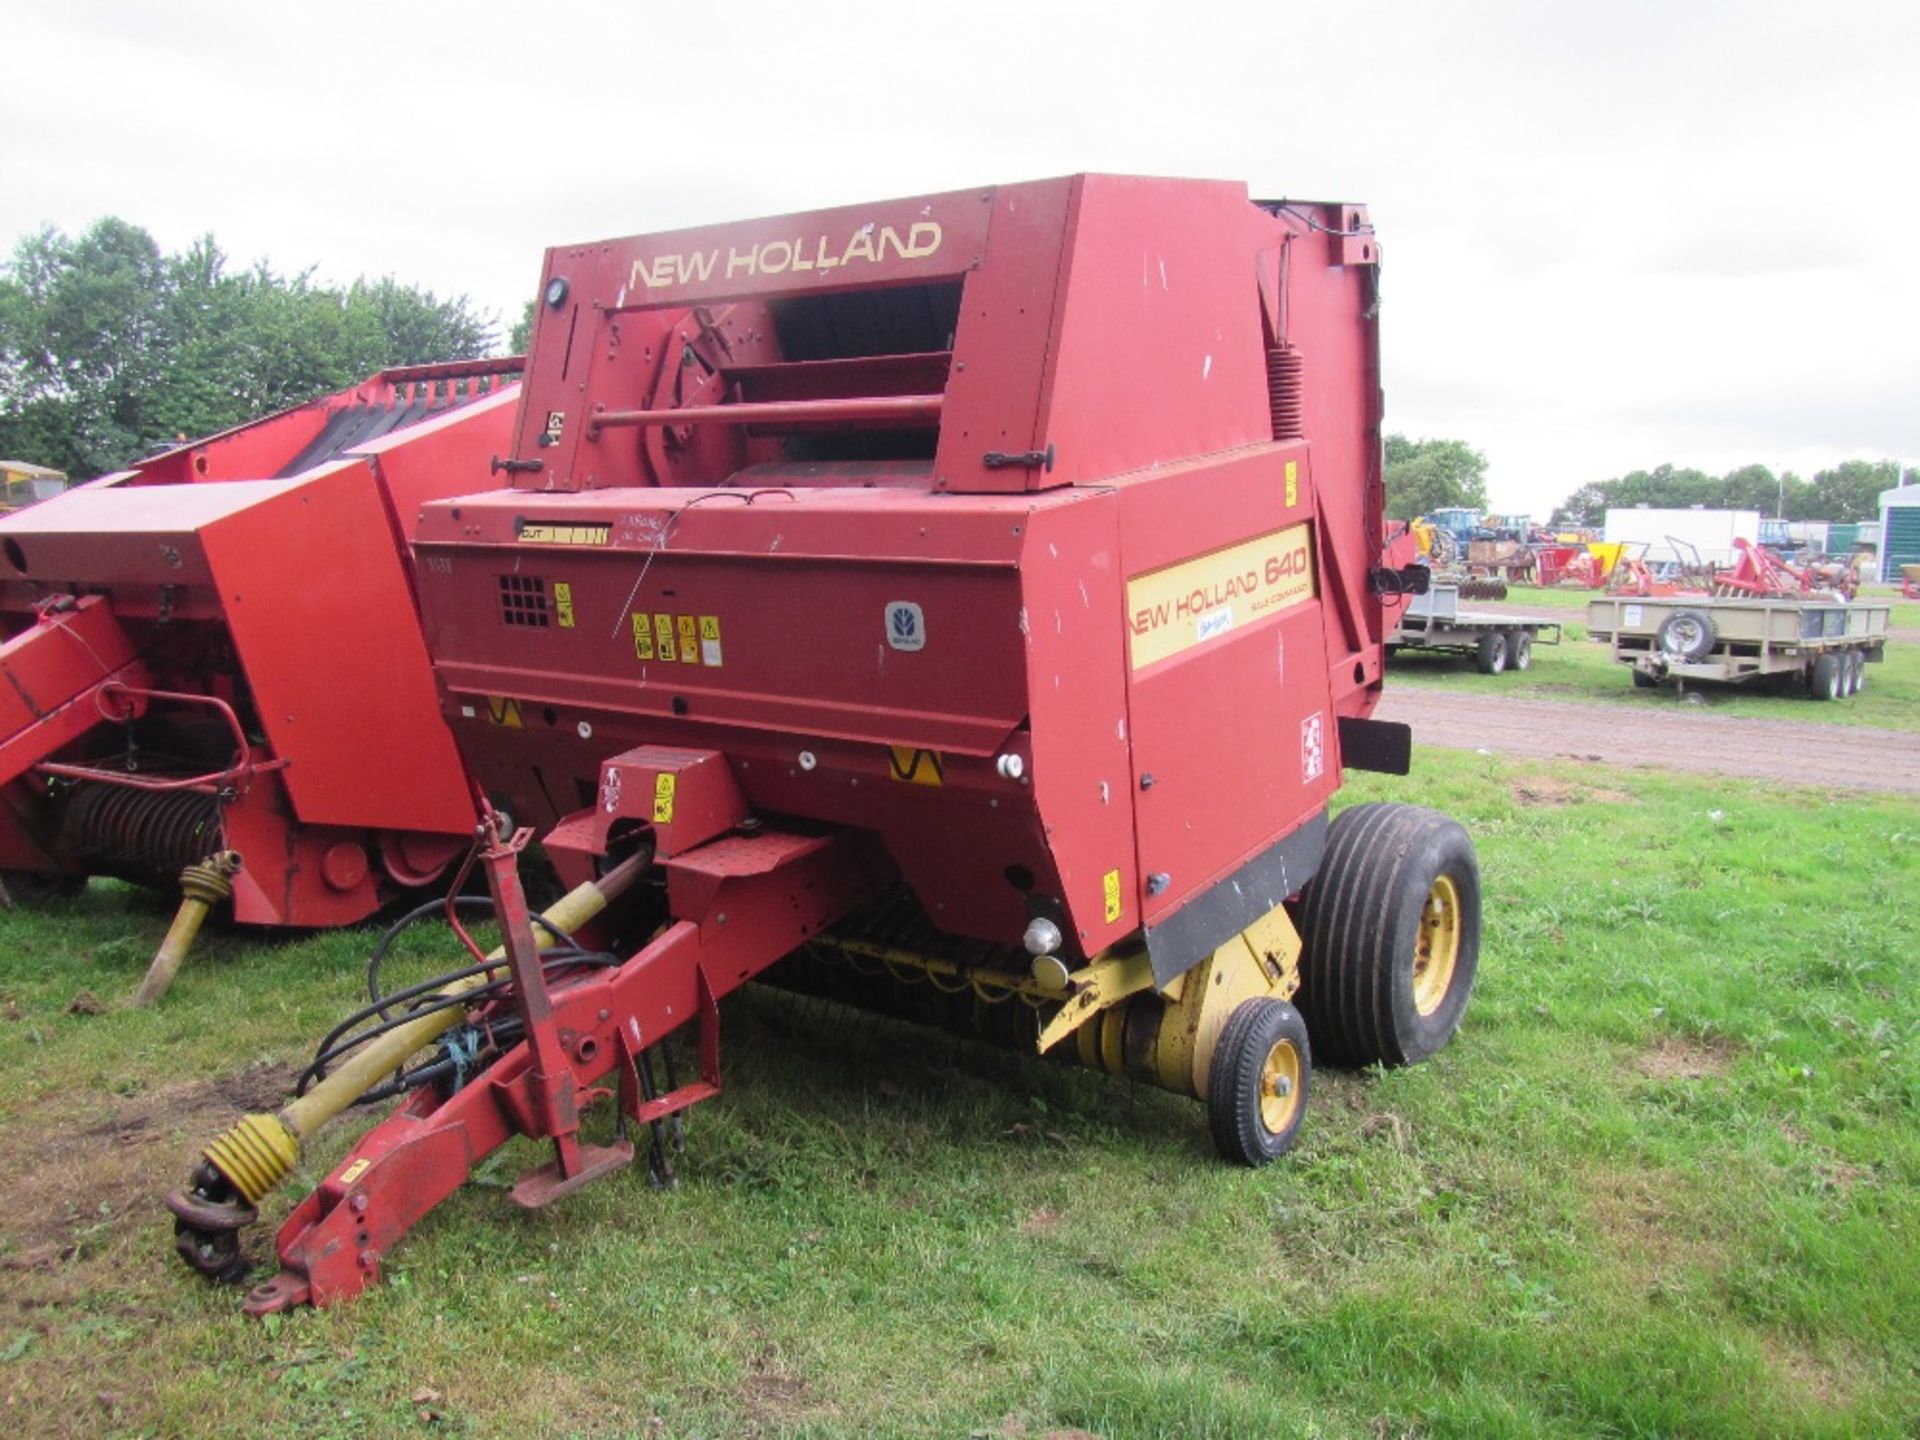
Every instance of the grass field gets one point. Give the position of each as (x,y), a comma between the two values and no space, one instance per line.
(1903,614)
(1666,1181)
(1581,669)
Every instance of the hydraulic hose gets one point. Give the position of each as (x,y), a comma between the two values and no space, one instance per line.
(259,1151)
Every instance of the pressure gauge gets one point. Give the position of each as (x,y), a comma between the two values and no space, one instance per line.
(557,289)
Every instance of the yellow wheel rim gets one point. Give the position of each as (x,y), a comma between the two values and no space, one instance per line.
(1437,949)
(1280,1087)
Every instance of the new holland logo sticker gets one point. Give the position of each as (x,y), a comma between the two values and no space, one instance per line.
(906,626)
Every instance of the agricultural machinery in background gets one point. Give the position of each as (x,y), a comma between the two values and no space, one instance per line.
(216,678)
(963,607)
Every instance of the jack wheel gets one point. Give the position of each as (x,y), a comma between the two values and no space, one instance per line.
(1257,1085)
(1391,926)
(1491,653)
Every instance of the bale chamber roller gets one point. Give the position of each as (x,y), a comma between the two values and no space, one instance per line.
(215,671)
(962,606)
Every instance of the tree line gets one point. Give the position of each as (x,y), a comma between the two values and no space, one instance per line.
(1427,475)
(110,349)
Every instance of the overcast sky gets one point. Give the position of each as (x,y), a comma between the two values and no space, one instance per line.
(1615,233)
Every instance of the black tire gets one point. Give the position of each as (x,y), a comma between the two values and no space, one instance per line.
(1687,635)
(1366,927)
(1643,681)
(1253,1119)
(31,889)
(1520,650)
(1859,671)
(1491,653)
(1827,677)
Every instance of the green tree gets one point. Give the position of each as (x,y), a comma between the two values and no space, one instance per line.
(522,332)
(108,348)
(1851,490)
(1424,475)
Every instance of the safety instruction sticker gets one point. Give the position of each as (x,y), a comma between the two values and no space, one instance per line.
(1313,748)
(663,787)
(677,639)
(1110,886)
(1293,483)
(563,604)
(504,710)
(1180,606)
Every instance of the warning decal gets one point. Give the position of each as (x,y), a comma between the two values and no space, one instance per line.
(710,640)
(642,636)
(1181,606)
(689,641)
(916,767)
(663,786)
(504,710)
(563,603)
(1110,886)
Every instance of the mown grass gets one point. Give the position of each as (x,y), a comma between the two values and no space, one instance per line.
(1582,669)
(1663,1183)
(1903,614)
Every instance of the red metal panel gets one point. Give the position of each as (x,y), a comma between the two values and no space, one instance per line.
(357,721)
(1159,353)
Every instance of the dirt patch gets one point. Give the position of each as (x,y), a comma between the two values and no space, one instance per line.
(1672,1058)
(1622,732)
(1643,1224)
(1041,1222)
(1807,1375)
(1553,790)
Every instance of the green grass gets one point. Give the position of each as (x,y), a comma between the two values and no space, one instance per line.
(1905,614)
(1664,1182)
(1582,669)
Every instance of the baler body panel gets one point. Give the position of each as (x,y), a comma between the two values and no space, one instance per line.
(1093,437)
(287,601)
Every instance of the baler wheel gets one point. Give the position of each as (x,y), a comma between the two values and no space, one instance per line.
(33,889)
(1491,653)
(1391,926)
(1257,1085)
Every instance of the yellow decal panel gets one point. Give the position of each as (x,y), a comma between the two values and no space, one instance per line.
(563,604)
(1181,606)
(916,767)
(1293,483)
(663,636)
(663,787)
(642,636)
(354,1171)
(539,532)
(710,640)
(504,710)
(1110,886)
(689,640)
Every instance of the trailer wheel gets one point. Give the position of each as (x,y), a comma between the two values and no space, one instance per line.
(1258,1082)
(1859,671)
(1520,649)
(1491,653)
(1826,680)
(1687,635)
(1391,925)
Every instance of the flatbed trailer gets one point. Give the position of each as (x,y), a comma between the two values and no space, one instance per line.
(1674,639)
(1435,621)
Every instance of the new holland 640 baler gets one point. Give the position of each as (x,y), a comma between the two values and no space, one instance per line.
(215,672)
(962,606)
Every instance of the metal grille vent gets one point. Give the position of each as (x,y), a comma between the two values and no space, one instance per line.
(523,601)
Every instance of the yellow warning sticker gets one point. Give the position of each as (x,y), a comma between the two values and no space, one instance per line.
(642,636)
(563,603)
(710,640)
(534,532)
(1110,884)
(504,710)
(1293,482)
(916,767)
(663,636)
(1180,606)
(663,799)
(354,1171)
(689,639)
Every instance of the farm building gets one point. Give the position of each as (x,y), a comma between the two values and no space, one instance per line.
(1899,531)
